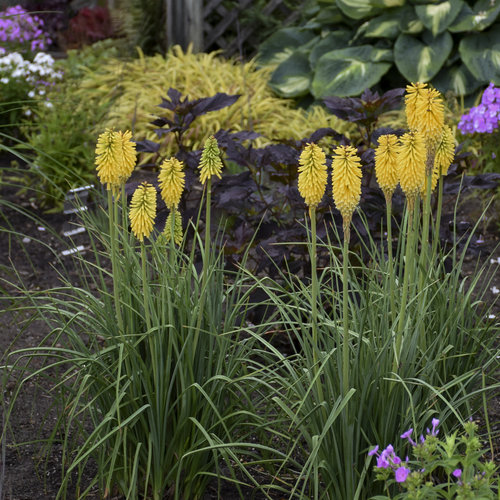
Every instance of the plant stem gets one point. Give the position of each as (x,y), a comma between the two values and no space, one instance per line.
(408,265)
(145,287)
(114,265)
(388,205)
(437,226)
(204,276)
(345,309)
(314,306)
(425,220)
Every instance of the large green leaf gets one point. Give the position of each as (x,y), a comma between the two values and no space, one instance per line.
(409,22)
(292,77)
(420,61)
(338,39)
(437,17)
(357,9)
(348,72)
(383,26)
(387,4)
(456,78)
(481,54)
(282,44)
(478,18)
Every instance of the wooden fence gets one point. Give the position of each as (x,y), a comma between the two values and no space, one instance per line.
(210,25)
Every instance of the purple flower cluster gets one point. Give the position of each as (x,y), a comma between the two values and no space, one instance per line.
(17,26)
(486,116)
(387,458)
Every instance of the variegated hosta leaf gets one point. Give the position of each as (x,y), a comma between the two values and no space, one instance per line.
(481,54)
(293,76)
(348,72)
(337,39)
(409,22)
(357,9)
(483,14)
(282,44)
(420,60)
(384,26)
(437,17)
(456,78)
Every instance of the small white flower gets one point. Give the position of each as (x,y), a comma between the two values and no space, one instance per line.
(4,80)
(491,316)
(28,112)
(41,92)
(48,104)
(31,94)
(495,261)
(495,290)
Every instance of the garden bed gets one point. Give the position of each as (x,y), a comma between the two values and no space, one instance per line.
(28,473)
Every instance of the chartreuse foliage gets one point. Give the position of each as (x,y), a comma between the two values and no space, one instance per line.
(137,87)
(343,47)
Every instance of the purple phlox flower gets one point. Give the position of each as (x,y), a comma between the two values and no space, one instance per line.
(407,435)
(402,474)
(422,439)
(382,462)
(457,473)
(485,117)
(373,452)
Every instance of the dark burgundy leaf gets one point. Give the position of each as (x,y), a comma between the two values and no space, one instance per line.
(147,146)
(160,122)
(218,101)
(324,132)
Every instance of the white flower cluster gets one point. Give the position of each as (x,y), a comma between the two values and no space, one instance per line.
(40,71)
(38,74)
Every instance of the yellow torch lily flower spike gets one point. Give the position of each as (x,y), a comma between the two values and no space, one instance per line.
(429,111)
(346,181)
(411,159)
(171,180)
(167,232)
(143,210)
(413,94)
(115,158)
(386,164)
(210,163)
(312,175)
(128,154)
(445,151)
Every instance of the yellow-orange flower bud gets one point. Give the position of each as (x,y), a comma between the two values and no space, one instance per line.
(210,162)
(386,163)
(346,180)
(412,155)
(115,158)
(429,113)
(167,232)
(445,151)
(312,175)
(171,180)
(143,210)
(413,94)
